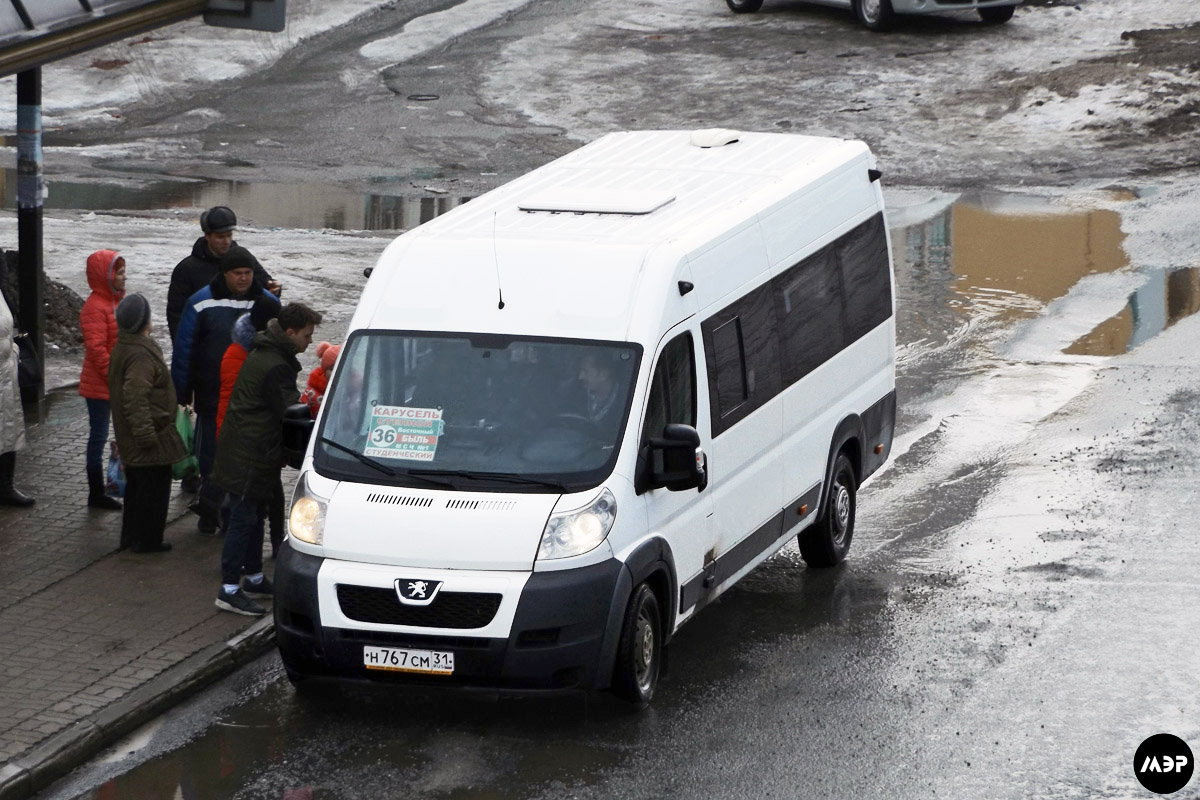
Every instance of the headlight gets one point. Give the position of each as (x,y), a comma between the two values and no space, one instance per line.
(572,533)
(307,520)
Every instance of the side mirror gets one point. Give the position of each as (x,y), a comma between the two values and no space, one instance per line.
(675,462)
(297,429)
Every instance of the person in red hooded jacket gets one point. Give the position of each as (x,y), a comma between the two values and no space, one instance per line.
(106,277)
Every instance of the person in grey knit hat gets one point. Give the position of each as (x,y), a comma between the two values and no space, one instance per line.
(133,314)
(143,410)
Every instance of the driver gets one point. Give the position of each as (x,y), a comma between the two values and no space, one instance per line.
(600,389)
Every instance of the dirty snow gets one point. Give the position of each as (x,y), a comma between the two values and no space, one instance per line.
(432,30)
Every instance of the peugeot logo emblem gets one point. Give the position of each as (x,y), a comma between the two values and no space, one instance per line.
(416,591)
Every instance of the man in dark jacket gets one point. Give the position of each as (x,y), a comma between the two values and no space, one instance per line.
(205,331)
(250,452)
(197,270)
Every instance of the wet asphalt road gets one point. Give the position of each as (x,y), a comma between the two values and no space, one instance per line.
(1020,605)
(1017,613)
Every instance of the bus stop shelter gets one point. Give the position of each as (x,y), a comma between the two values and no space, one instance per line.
(37,32)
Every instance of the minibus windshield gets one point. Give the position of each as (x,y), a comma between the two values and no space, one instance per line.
(476,412)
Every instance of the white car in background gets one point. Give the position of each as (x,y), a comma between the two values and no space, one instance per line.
(880,15)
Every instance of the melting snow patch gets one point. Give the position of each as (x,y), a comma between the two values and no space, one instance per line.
(432,30)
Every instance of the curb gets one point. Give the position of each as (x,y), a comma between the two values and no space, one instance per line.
(38,767)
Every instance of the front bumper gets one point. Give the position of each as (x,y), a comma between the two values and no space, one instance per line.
(554,631)
(940,6)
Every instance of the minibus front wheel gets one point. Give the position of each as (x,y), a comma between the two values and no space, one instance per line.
(640,650)
(826,542)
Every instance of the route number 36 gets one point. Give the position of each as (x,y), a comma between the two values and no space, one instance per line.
(383,435)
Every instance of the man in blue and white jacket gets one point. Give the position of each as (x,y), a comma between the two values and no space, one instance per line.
(205,331)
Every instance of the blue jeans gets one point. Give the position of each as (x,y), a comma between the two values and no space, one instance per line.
(99,412)
(241,553)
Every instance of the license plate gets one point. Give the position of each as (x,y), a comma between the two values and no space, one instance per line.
(398,659)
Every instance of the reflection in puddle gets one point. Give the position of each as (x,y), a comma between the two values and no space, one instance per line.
(1010,255)
(264,205)
(341,741)
(1167,297)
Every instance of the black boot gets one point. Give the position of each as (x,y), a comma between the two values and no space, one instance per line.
(97,498)
(9,496)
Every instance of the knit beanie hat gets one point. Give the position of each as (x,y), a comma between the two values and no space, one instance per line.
(262,312)
(236,257)
(133,314)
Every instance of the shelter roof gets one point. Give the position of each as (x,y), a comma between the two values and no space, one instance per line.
(34,32)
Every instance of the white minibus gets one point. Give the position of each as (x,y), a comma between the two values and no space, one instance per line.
(573,411)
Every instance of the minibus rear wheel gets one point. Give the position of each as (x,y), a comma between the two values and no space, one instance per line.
(744,6)
(826,542)
(639,652)
(996,15)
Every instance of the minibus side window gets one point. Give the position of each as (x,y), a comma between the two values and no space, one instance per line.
(808,301)
(864,259)
(730,363)
(741,344)
(673,388)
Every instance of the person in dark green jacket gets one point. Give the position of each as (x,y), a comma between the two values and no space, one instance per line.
(250,451)
(143,415)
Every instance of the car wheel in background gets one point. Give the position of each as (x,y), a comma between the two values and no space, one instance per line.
(875,15)
(744,6)
(996,15)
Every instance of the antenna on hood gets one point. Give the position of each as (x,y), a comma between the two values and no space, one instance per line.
(496,261)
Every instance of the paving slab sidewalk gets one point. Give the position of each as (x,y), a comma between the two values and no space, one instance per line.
(95,641)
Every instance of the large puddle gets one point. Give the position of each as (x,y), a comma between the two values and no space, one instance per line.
(1008,257)
(264,205)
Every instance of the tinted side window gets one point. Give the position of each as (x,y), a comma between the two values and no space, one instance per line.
(729,362)
(808,300)
(742,348)
(673,388)
(781,331)
(864,259)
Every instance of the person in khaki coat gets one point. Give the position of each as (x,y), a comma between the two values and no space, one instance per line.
(143,410)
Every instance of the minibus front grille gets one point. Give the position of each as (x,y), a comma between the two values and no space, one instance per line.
(448,610)
(481,505)
(399,499)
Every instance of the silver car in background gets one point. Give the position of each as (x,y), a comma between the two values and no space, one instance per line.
(880,15)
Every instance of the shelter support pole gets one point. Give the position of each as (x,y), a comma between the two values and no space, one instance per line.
(29,222)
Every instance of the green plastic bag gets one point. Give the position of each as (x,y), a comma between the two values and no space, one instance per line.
(188,465)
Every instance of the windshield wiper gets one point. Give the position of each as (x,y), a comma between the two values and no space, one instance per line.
(510,477)
(384,468)
(370,462)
